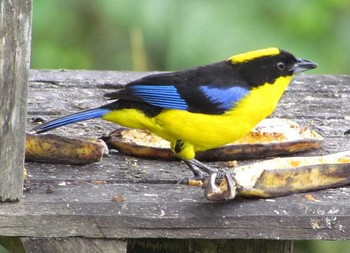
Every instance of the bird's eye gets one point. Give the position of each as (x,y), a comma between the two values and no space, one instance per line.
(281,65)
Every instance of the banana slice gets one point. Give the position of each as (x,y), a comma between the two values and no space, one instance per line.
(281,176)
(51,148)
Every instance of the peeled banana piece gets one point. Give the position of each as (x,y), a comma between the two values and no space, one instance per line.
(281,176)
(51,148)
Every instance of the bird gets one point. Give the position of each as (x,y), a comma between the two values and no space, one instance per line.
(202,107)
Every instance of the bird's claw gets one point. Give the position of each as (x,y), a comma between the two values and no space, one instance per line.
(226,188)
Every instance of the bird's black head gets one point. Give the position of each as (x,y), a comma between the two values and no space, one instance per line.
(266,65)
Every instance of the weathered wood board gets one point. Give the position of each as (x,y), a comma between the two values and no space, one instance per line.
(15,37)
(63,201)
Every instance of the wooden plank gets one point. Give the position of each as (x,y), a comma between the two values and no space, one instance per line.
(76,244)
(68,201)
(173,211)
(15,37)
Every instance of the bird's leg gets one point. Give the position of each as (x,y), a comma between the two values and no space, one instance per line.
(200,171)
(197,172)
(201,166)
(220,173)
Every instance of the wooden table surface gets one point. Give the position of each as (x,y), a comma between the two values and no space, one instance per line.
(64,200)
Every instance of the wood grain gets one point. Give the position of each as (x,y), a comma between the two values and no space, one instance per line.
(15,37)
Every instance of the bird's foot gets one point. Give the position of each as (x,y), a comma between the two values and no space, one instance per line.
(226,189)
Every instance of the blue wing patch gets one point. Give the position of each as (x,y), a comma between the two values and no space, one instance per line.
(165,96)
(224,97)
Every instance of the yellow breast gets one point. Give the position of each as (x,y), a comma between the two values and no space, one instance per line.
(209,131)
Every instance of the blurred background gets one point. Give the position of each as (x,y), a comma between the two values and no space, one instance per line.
(176,34)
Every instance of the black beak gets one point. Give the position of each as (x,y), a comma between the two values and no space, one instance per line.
(302,65)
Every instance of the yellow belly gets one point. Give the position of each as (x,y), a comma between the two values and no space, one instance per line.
(200,130)
(203,131)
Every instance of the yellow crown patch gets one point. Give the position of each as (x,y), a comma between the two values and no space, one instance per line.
(254,54)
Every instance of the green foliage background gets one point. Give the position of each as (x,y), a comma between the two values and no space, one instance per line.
(175,34)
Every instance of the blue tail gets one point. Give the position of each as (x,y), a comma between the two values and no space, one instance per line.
(80,116)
